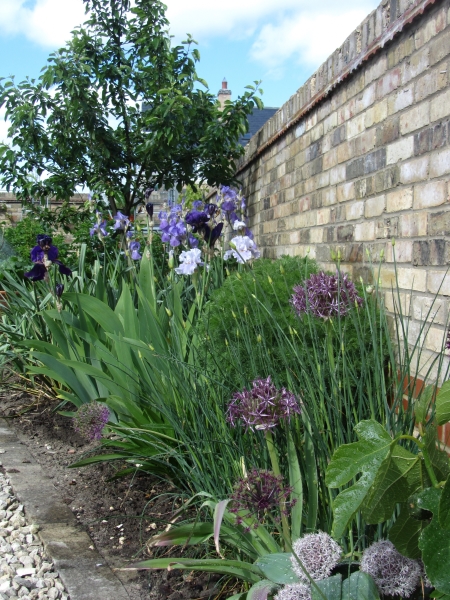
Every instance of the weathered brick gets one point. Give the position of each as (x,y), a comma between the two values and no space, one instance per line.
(402,99)
(339,135)
(433,193)
(430,139)
(323,216)
(266,203)
(377,113)
(314,150)
(329,196)
(413,119)
(399,200)
(414,170)
(440,106)
(354,210)
(388,132)
(364,231)
(317,235)
(386,228)
(432,252)
(412,279)
(375,161)
(345,233)
(337,174)
(440,163)
(439,223)
(345,192)
(330,159)
(435,309)
(400,150)
(438,282)
(413,225)
(390,82)
(355,168)
(305,236)
(401,50)
(356,126)
(430,83)
(374,207)
(400,252)
(387,179)
(364,187)
(440,48)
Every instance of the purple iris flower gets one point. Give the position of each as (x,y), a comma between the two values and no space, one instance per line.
(134,247)
(59,289)
(192,241)
(227,192)
(233,217)
(228,205)
(121,221)
(149,209)
(99,228)
(43,256)
(212,235)
(148,192)
(197,204)
(243,203)
(196,219)
(248,233)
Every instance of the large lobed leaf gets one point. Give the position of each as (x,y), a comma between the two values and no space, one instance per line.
(443,404)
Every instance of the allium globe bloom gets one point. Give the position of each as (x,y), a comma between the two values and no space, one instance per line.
(243,249)
(294,591)
(134,247)
(325,296)
(189,261)
(43,256)
(90,420)
(393,573)
(122,222)
(318,553)
(262,407)
(259,492)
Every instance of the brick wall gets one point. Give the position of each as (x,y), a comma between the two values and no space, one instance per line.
(360,157)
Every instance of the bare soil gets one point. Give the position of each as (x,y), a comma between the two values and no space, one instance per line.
(120,515)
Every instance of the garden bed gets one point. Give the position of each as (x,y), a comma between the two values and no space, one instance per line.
(119,515)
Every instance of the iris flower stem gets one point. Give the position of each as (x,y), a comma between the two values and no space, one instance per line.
(276,469)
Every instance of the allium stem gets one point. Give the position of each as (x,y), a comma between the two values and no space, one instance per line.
(276,469)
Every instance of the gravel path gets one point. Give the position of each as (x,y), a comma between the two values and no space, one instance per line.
(26,572)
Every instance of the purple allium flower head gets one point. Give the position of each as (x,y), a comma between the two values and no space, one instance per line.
(263,406)
(90,420)
(259,492)
(294,591)
(325,295)
(59,289)
(318,553)
(121,221)
(134,247)
(149,208)
(393,573)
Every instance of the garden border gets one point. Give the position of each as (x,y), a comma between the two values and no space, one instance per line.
(80,566)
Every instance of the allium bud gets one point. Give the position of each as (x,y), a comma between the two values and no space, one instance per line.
(295,591)
(318,553)
(259,492)
(90,419)
(393,573)
(263,406)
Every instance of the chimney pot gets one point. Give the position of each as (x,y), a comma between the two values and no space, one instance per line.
(224,84)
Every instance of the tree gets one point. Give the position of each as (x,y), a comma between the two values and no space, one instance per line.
(82,124)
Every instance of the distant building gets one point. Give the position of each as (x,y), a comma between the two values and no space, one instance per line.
(255,121)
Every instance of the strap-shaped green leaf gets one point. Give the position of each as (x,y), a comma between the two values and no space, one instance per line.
(443,404)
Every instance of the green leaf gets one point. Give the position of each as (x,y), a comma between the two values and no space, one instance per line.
(331,588)
(398,477)
(422,405)
(444,506)
(295,480)
(435,542)
(261,590)
(405,532)
(365,458)
(443,404)
(439,458)
(277,568)
(98,310)
(359,586)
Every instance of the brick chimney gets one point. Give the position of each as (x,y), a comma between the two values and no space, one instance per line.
(224,94)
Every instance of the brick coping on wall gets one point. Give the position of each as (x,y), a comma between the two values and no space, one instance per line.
(379,28)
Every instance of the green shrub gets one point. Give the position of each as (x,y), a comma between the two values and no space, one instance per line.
(22,237)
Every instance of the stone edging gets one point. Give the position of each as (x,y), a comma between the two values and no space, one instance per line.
(81,568)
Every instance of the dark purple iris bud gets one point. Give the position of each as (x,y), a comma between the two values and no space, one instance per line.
(196,219)
(149,209)
(59,289)
(212,235)
(210,209)
(148,192)
(62,268)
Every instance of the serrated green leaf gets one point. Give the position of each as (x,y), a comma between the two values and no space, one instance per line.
(444,506)
(435,542)
(443,404)
(405,532)
(360,586)
(330,588)
(398,477)
(277,568)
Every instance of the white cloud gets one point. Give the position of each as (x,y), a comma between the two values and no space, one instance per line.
(307,37)
(47,22)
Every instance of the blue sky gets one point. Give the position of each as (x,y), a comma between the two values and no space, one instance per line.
(281,42)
